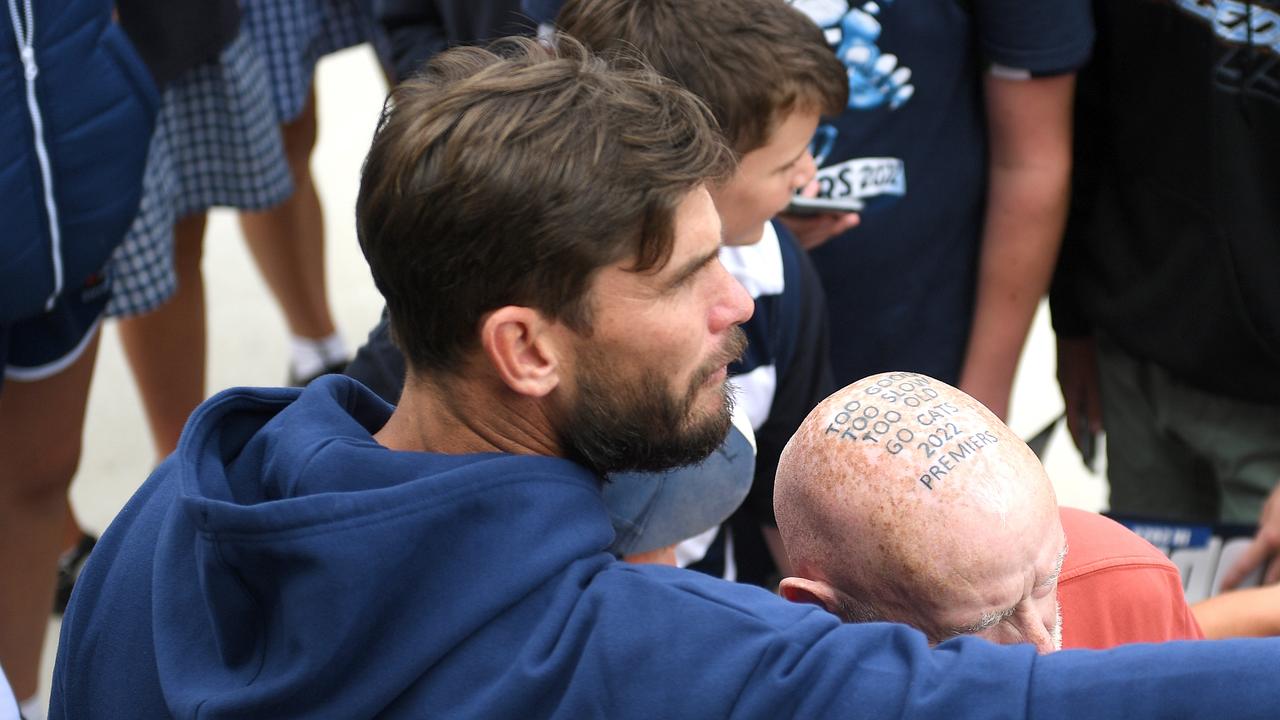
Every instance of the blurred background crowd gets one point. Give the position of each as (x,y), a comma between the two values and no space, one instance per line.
(178,183)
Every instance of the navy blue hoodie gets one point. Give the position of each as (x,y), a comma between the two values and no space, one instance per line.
(76,114)
(283,564)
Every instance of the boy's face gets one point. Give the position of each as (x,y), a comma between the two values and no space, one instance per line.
(766,179)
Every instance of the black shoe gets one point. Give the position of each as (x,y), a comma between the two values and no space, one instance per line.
(69,567)
(337,367)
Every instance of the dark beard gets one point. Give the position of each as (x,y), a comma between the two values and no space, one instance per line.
(620,426)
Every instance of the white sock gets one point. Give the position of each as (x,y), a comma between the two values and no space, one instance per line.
(33,709)
(310,356)
(305,357)
(334,348)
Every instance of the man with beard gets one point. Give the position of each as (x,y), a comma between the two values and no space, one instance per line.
(903,499)
(539,225)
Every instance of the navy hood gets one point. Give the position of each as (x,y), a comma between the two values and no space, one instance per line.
(315,545)
(282,564)
(294,547)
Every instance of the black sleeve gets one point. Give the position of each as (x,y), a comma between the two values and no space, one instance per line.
(1088,153)
(807,381)
(1042,37)
(378,363)
(173,37)
(415,30)
(418,29)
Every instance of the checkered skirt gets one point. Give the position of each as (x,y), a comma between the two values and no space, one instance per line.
(217,141)
(294,34)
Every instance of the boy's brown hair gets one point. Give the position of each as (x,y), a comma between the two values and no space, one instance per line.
(752,61)
(510,175)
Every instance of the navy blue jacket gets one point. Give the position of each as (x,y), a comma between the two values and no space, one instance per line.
(283,564)
(95,103)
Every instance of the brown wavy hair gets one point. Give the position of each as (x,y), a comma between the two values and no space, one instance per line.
(752,61)
(509,175)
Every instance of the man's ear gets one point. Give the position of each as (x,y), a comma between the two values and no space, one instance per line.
(811,592)
(522,349)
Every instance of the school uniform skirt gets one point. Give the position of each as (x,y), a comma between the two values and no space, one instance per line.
(217,141)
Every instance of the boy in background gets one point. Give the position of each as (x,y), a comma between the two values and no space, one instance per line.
(766,73)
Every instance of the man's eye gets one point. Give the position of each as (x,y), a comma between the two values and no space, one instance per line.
(1044,588)
(685,280)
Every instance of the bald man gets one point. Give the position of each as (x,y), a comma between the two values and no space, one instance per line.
(902,499)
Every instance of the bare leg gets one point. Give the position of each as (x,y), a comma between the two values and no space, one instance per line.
(166,347)
(287,241)
(40,427)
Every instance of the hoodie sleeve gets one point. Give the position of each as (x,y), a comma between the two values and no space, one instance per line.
(742,653)
(887,671)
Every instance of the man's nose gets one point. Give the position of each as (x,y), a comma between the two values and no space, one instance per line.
(1034,630)
(734,305)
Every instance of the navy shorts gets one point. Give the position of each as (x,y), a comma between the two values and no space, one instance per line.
(40,347)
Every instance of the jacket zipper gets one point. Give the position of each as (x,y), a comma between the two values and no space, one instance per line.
(27,51)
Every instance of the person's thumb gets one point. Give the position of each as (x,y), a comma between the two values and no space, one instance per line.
(1253,556)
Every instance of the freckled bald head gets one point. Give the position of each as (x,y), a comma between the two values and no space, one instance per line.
(899,484)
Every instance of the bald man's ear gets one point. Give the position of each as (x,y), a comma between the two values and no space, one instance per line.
(522,348)
(811,592)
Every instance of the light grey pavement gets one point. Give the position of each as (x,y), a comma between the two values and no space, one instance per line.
(248,340)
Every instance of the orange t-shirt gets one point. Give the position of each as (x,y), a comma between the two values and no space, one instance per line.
(1117,588)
